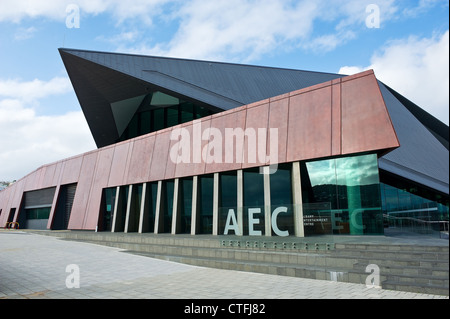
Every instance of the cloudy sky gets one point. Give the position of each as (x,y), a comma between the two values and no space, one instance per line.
(406,43)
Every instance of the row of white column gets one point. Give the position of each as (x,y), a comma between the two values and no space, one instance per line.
(296,198)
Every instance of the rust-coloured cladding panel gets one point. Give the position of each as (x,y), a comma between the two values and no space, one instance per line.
(217,147)
(336,117)
(195,165)
(47,180)
(255,150)
(81,199)
(5,198)
(366,125)
(71,170)
(278,118)
(119,163)
(58,173)
(15,199)
(30,181)
(160,155)
(171,163)
(140,160)
(100,181)
(309,130)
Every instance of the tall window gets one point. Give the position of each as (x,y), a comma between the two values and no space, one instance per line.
(227,196)
(205,204)
(342,195)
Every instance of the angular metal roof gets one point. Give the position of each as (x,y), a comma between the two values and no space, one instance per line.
(101,79)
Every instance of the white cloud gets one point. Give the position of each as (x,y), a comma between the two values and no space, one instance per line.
(417,68)
(243,30)
(33,90)
(24,33)
(17,10)
(29,140)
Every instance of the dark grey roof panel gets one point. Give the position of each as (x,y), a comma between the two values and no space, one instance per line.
(224,85)
(420,157)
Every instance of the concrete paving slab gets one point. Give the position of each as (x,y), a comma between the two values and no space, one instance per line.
(34,266)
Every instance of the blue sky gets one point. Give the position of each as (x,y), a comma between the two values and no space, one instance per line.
(408,51)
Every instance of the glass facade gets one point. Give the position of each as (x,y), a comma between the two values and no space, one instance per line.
(338,196)
(159,110)
(409,207)
(342,196)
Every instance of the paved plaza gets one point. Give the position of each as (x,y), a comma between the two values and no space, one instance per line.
(36,266)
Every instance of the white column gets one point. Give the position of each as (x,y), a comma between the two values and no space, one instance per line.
(175,205)
(267,204)
(240,201)
(116,203)
(158,208)
(216,204)
(142,208)
(297,200)
(127,216)
(194,205)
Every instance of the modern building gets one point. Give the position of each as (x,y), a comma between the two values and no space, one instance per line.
(202,147)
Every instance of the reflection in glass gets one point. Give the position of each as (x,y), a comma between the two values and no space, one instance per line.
(349,186)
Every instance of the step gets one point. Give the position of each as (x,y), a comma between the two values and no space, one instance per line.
(418,288)
(419,254)
(408,267)
(293,270)
(408,270)
(392,247)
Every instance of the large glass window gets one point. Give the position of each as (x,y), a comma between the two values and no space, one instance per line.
(185,207)
(408,207)
(281,196)
(121,210)
(342,195)
(135,208)
(105,220)
(151,195)
(205,204)
(38,213)
(227,197)
(165,219)
(253,183)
